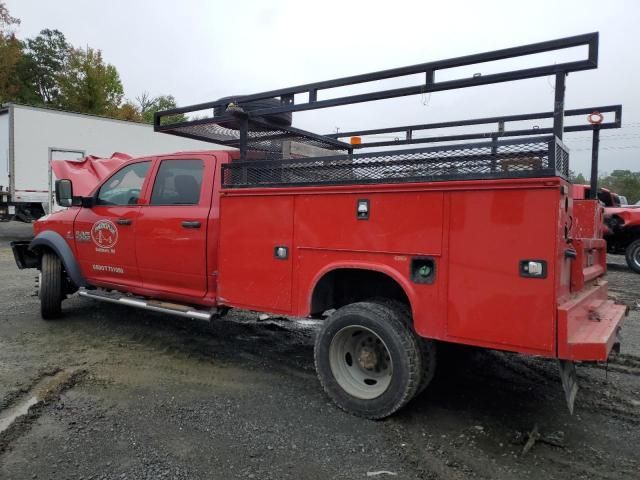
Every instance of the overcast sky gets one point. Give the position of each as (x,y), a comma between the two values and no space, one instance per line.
(202,50)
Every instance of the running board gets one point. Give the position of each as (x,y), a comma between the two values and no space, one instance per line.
(153,305)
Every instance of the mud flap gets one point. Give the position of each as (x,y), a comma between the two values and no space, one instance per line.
(615,349)
(569,382)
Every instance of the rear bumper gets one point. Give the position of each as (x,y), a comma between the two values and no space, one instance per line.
(589,325)
(24,257)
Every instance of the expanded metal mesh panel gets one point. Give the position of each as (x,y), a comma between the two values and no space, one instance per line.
(510,159)
(259,139)
(562,160)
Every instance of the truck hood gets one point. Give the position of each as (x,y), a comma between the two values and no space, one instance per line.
(629,215)
(88,172)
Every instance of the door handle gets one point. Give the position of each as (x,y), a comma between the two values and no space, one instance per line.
(187,224)
(124,221)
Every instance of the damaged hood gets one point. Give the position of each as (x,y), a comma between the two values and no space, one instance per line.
(630,215)
(88,172)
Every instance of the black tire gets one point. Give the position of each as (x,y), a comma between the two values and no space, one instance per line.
(285,119)
(428,350)
(51,286)
(429,355)
(632,255)
(396,341)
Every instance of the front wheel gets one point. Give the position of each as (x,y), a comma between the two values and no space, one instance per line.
(368,360)
(51,287)
(632,255)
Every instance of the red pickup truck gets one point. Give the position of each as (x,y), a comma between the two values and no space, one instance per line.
(469,243)
(621,224)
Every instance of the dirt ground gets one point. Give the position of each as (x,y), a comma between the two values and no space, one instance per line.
(120,393)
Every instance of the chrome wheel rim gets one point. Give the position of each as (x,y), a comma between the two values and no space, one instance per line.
(360,362)
(635,256)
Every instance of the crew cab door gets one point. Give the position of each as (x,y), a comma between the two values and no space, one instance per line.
(105,233)
(171,235)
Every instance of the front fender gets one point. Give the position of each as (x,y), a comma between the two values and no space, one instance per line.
(55,242)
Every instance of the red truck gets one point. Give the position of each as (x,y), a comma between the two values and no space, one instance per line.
(621,224)
(469,243)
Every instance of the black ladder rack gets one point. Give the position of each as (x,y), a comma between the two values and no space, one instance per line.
(253,128)
(258,138)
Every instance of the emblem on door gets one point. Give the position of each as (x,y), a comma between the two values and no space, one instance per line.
(104,234)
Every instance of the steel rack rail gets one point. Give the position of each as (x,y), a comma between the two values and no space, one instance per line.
(252,125)
(409,131)
(257,135)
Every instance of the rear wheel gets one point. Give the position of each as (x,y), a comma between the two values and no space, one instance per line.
(632,255)
(368,360)
(51,286)
(428,348)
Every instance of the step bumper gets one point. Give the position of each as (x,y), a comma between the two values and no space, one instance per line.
(589,325)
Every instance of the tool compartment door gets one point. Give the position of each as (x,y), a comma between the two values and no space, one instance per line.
(489,302)
(251,228)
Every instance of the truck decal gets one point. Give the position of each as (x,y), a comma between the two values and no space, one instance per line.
(107,268)
(83,236)
(104,234)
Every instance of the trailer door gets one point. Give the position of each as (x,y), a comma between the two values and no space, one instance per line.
(59,154)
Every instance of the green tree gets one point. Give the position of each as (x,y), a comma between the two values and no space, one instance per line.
(149,105)
(128,111)
(10,55)
(579,179)
(89,85)
(45,59)
(622,182)
(7,22)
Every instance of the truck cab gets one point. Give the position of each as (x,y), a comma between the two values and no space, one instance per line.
(145,228)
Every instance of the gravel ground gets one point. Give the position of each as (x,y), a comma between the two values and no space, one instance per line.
(136,395)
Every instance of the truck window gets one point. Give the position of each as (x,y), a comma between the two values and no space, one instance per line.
(178,183)
(124,187)
(606,198)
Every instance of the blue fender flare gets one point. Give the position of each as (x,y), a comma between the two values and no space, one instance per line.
(55,242)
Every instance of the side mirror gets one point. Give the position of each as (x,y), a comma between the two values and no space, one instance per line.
(64,193)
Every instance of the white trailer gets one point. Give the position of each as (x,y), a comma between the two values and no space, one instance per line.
(30,137)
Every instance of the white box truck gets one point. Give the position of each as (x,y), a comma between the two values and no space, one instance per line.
(30,137)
